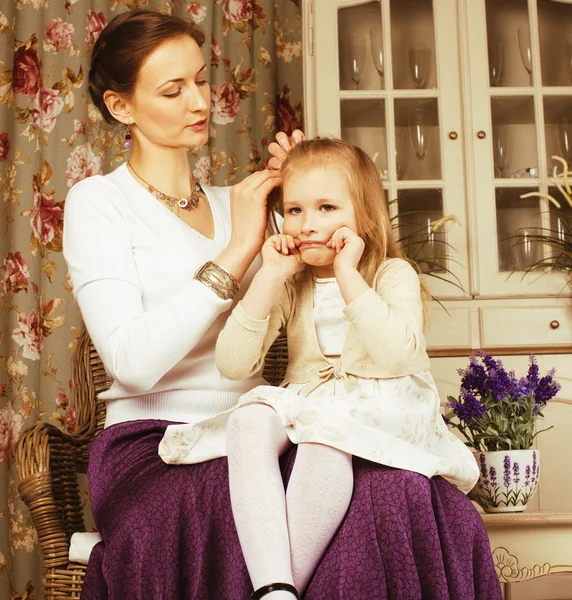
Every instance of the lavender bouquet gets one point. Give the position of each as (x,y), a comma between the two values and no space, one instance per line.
(497,411)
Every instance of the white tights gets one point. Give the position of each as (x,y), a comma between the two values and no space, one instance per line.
(283,535)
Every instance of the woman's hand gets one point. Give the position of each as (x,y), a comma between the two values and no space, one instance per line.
(283,144)
(248,209)
(280,255)
(349,248)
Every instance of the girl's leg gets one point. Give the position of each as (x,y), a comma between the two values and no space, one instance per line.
(318,496)
(255,440)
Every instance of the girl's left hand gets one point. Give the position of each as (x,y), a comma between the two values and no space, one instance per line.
(349,247)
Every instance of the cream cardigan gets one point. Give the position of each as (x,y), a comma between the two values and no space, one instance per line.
(384,340)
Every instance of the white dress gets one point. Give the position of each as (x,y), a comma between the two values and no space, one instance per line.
(394,422)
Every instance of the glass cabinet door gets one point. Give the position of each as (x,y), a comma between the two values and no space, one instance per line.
(391,85)
(521,96)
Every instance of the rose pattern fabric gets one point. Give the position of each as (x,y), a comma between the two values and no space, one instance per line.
(51,137)
(10,425)
(4,145)
(26,71)
(197,12)
(201,172)
(225,101)
(47,218)
(59,35)
(15,273)
(82,163)
(238,10)
(48,104)
(95,24)
(29,335)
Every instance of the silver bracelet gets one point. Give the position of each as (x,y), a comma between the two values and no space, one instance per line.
(218,279)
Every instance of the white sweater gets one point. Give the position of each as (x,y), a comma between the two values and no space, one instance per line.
(131,263)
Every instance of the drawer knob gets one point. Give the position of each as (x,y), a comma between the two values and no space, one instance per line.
(453,135)
(481,135)
(554,324)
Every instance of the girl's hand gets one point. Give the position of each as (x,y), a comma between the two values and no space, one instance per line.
(349,248)
(283,144)
(248,209)
(281,256)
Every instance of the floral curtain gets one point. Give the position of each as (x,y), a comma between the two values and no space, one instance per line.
(50,138)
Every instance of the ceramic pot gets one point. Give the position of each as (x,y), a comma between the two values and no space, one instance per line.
(508,479)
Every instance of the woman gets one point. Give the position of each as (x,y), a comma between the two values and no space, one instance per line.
(156,262)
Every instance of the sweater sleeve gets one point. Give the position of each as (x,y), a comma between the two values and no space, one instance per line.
(243,343)
(137,346)
(389,319)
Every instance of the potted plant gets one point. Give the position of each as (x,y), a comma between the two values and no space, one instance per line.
(421,235)
(557,240)
(497,413)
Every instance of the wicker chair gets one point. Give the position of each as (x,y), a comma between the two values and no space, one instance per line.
(49,460)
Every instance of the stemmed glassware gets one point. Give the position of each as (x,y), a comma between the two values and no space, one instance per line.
(525,49)
(434,245)
(495,62)
(564,140)
(377,51)
(356,58)
(418,132)
(527,247)
(401,154)
(501,148)
(418,64)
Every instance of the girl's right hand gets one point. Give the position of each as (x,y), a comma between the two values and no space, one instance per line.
(281,256)
(248,209)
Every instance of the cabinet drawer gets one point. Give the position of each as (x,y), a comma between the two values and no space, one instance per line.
(449,330)
(530,326)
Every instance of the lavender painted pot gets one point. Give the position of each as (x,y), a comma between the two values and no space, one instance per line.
(508,479)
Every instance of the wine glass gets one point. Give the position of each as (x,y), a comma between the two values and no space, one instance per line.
(401,154)
(501,148)
(525,49)
(377,51)
(418,64)
(561,230)
(433,244)
(527,248)
(564,140)
(496,52)
(418,133)
(356,58)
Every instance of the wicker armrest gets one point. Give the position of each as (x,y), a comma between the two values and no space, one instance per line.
(46,463)
(276,361)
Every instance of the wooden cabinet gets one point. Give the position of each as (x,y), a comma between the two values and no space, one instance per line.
(461,103)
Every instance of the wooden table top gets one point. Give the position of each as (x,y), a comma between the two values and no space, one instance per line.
(527,519)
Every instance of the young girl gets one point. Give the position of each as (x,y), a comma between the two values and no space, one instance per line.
(357,382)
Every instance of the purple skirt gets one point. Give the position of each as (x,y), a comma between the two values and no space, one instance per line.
(169,534)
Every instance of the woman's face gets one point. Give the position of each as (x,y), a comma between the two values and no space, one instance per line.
(170,105)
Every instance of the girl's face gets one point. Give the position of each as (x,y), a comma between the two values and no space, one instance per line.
(317,202)
(171,102)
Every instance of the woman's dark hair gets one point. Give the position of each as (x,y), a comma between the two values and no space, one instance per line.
(124,45)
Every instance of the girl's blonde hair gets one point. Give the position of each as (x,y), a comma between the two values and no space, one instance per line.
(366,190)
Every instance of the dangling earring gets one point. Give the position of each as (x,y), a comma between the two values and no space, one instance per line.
(127,142)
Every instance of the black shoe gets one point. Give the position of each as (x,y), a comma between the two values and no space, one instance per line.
(274,587)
